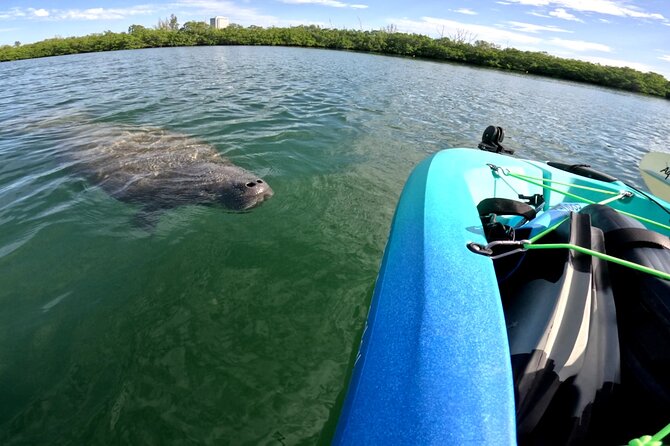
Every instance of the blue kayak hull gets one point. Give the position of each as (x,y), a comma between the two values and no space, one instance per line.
(434,362)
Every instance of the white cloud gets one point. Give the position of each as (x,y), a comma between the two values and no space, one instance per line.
(605,7)
(101,13)
(241,15)
(465,11)
(530,2)
(76,14)
(561,13)
(238,14)
(579,45)
(12,13)
(331,3)
(516,37)
(434,26)
(39,12)
(532,28)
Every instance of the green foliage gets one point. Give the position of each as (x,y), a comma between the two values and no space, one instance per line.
(386,41)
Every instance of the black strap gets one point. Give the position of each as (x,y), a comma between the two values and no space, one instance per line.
(505,206)
(494,230)
(584,170)
(628,238)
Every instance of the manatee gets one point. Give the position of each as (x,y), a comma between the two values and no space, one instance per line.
(159,169)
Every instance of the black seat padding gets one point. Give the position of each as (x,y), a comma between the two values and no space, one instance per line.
(628,238)
(643,317)
(561,325)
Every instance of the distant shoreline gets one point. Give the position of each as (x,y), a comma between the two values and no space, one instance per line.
(388,42)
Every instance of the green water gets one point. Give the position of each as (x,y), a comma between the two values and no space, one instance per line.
(237,328)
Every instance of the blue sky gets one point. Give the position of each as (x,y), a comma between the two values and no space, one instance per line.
(631,33)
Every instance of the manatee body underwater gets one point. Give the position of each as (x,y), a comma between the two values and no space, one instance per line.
(158,170)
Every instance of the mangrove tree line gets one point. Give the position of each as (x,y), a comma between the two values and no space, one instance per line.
(385,41)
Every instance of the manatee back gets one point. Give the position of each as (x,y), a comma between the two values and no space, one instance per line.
(160,169)
(146,164)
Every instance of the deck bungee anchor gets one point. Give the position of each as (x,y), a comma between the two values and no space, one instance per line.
(525,245)
(541,183)
(490,249)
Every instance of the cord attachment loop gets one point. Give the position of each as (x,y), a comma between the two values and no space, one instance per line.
(499,248)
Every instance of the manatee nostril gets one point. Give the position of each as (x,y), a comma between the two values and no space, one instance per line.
(259,181)
(251,184)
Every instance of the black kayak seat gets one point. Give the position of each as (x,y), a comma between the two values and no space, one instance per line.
(561,325)
(643,317)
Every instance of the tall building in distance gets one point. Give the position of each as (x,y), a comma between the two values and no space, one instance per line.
(219,22)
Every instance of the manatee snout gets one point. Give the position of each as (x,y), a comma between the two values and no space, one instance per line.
(257,191)
(244,195)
